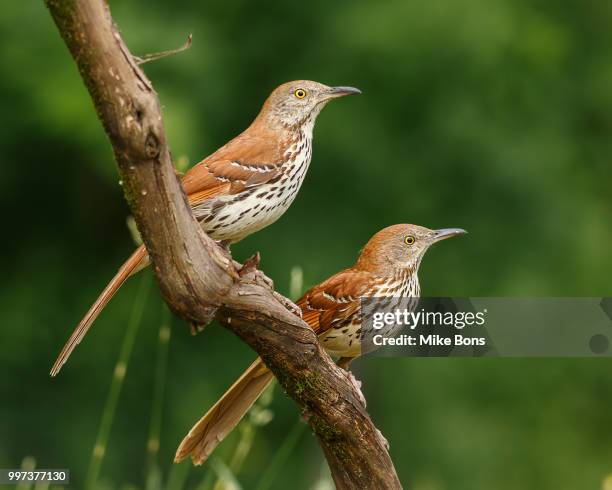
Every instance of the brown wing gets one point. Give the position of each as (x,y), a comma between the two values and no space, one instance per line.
(334,301)
(252,158)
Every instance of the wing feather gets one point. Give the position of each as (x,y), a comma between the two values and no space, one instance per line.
(334,301)
(250,159)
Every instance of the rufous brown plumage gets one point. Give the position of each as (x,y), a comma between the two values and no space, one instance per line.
(387,267)
(245,185)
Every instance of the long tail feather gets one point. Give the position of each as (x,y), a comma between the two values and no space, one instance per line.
(219,421)
(137,261)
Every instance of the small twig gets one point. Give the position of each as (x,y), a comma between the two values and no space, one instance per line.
(141,60)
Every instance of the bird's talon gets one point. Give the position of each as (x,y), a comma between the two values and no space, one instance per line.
(269,282)
(224,247)
(355,383)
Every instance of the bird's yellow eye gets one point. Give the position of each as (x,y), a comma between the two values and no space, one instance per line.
(409,240)
(300,93)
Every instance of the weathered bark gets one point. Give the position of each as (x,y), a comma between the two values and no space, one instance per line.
(197,280)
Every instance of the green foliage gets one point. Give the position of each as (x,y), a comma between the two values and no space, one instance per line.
(494,116)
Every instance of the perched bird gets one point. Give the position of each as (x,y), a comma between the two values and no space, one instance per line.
(245,185)
(387,268)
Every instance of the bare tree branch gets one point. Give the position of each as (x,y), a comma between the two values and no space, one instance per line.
(197,280)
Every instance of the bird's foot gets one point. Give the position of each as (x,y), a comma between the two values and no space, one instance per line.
(223,255)
(225,248)
(355,383)
(250,266)
(383,439)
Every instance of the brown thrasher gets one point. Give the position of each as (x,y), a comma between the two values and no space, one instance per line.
(386,268)
(245,185)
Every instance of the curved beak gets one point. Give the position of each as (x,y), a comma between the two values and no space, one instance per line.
(342,91)
(445,233)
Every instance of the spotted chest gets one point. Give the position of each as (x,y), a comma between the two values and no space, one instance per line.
(344,339)
(233,217)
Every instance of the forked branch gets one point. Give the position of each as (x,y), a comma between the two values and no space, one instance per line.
(197,280)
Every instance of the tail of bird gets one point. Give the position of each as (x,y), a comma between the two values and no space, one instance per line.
(219,421)
(137,261)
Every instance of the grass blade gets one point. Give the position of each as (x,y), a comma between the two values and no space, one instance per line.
(226,480)
(280,458)
(178,475)
(27,464)
(153,471)
(207,482)
(121,366)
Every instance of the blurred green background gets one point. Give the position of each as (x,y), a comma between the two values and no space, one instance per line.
(491,115)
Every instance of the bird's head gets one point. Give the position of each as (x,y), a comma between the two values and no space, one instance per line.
(295,103)
(401,247)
